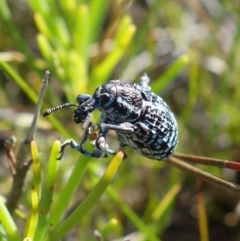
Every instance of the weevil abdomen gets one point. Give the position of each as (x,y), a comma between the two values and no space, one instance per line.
(156,133)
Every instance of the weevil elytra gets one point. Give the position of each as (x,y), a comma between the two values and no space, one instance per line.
(140,118)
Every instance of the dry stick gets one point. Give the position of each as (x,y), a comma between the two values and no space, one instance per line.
(209,161)
(204,175)
(22,165)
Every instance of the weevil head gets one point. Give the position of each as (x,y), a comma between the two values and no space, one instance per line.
(119,101)
(84,109)
(85,106)
(102,98)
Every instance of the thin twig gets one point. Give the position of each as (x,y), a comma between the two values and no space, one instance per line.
(204,175)
(22,165)
(209,161)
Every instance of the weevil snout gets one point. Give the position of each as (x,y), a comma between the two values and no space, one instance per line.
(83,113)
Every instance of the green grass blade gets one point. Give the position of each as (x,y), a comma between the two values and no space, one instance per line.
(92,197)
(8,222)
(40,6)
(45,47)
(5,16)
(43,26)
(167,201)
(132,216)
(66,195)
(97,11)
(21,83)
(122,40)
(175,68)
(47,194)
(81,33)
(69,11)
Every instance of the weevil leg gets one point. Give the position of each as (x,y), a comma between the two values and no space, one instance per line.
(98,151)
(78,147)
(101,144)
(125,127)
(74,145)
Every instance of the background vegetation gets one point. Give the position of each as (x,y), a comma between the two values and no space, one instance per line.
(190,50)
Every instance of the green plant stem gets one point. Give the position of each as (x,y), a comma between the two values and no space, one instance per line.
(36,169)
(66,195)
(47,194)
(91,199)
(33,218)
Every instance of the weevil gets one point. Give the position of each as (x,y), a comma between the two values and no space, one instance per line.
(141,119)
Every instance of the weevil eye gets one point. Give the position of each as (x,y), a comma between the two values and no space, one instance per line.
(105,98)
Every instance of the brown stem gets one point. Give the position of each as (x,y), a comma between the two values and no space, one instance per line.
(22,165)
(204,175)
(208,161)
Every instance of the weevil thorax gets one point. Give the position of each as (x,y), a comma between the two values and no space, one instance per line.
(119,101)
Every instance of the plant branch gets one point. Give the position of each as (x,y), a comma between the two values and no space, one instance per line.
(22,165)
(209,161)
(204,175)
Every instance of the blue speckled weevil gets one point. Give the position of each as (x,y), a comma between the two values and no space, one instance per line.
(141,119)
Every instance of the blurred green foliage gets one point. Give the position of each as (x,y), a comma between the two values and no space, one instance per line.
(189,50)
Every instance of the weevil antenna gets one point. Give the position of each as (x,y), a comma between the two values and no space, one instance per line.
(65,105)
